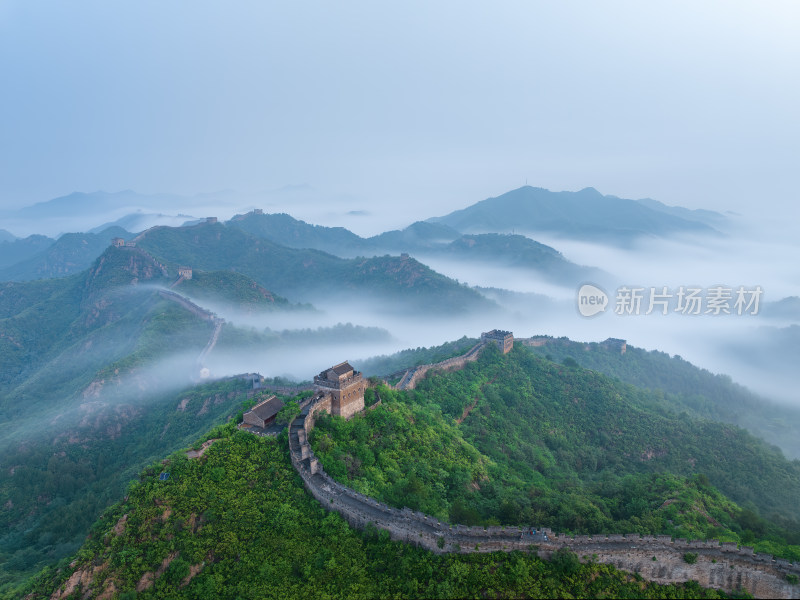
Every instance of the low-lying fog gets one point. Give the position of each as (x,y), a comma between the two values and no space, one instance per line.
(753,349)
(58,216)
(732,344)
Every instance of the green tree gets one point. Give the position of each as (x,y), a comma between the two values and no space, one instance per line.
(288,413)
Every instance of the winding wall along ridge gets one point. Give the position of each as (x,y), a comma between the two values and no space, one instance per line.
(723,566)
(200,312)
(414,374)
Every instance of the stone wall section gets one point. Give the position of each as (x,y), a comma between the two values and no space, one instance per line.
(722,566)
(414,374)
(188,305)
(146,254)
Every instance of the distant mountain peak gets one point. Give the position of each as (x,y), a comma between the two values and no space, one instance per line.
(586,214)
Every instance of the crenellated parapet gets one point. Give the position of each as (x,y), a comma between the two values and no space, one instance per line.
(410,378)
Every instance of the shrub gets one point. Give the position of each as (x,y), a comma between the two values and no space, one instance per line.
(690,558)
(565,562)
(288,413)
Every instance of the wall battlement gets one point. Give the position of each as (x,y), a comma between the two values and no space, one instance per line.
(414,374)
(188,305)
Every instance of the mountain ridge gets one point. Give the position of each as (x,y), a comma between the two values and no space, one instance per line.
(586,214)
(304,274)
(70,253)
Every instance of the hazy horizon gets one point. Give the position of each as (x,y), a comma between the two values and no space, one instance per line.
(412,106)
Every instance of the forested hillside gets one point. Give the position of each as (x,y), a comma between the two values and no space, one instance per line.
(398,283)
(586,214)
(91,372)
(518,439)
(57,334)
(687,388)
(71,253)
(424,239)
(233,290)
(412,357)
(91,368)
(13,251)
(238,523)
(55,484)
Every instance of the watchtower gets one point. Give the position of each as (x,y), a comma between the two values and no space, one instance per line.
(346,387)
(503,339)
(185,272)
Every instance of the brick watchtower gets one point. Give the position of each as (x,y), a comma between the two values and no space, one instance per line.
(346,387)
(503,339)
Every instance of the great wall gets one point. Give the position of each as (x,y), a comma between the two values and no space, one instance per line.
(659,559)
(411,376)
(184,273)
(202,313)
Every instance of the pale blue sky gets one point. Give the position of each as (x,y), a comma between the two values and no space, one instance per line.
(436,105)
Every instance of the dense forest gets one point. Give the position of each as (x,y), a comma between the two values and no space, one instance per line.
(52,492)
(96,381)
(686,387)
(237,523)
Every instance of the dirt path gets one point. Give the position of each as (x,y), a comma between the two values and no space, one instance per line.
(203,448)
